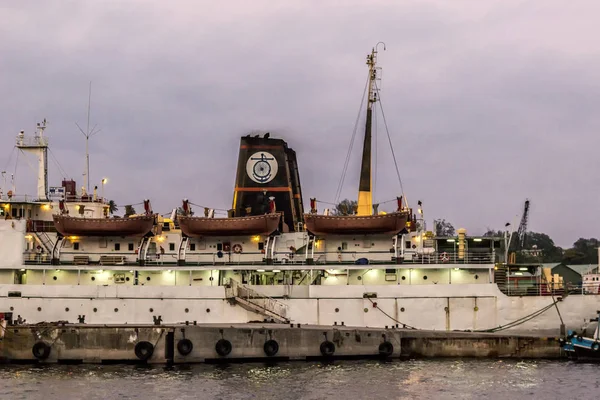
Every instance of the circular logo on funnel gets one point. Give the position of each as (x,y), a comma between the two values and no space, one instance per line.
(261,167)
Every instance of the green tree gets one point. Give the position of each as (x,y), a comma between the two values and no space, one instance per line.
(584,251)
(345,207)
(112,207)
(129,210)
(444,228)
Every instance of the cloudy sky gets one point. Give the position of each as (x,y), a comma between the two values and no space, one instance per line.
(488,102)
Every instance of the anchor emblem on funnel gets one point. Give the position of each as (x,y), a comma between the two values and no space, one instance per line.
(261,167)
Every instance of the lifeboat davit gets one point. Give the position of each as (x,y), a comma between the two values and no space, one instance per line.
(392,223)
(82,226)
(76,226)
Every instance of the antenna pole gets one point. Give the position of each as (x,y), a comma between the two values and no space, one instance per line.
(88,134)
(87,138)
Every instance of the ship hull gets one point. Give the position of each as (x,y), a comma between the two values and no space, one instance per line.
(237,226)
(391,223)
(429,307)
(133,226)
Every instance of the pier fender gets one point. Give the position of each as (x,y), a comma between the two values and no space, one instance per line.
(327,348)
(386,349)
(271,347)
(595,346)
(143,350)
(41,350)
(185,347)
(223,347)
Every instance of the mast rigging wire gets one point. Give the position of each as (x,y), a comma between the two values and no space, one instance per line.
(347,161)
(387,131)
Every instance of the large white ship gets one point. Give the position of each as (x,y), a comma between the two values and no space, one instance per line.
(65,258)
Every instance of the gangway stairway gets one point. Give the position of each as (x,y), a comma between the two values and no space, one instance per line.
(251,300)
(45,241)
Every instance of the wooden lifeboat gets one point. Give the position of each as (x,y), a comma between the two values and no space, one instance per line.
(80,226)
(76,226)
(233,226)
(391,223)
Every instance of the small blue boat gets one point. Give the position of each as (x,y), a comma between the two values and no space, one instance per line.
(578,346)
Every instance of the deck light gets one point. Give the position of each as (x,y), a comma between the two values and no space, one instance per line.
(276,270)
(477,240)
(260,270)
(523,269)
(450,240)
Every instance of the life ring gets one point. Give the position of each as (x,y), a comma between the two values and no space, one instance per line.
(386,349)
(327,348)
(143,350)
(271,348)
(237,248)
(185,347)
(41,350)
(223,347)
(444,257)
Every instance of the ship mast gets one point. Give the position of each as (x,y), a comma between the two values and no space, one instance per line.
(365,187)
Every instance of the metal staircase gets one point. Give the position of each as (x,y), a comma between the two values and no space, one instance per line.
(45,241)
(251,300)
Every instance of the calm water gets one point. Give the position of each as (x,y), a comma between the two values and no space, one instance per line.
(437,379)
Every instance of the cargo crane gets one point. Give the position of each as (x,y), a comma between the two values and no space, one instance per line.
(518,243)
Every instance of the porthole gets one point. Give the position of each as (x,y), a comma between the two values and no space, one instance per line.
(54,278)
(127,279)
(12,308)
(475,308)
(211,278)
(151,310)
(39,308)
(337,310)
(116,310)
(476,276)
(359,278)
(208,310)
(93,278)
(147,278)
(67,309)
(366,309)
(424,277)
(95,309)
(402,309)
(187,310)
(403,278)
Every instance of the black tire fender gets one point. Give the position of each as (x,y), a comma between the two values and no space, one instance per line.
(223,347)
(143,350)
(271,348)
(386,349)
(41,350)
(596,346)
(185,346)
(327,348)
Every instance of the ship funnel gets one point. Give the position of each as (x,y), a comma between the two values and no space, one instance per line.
(268,179)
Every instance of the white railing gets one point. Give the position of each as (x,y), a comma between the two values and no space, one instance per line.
(450,257)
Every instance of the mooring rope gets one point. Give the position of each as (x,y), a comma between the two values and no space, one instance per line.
(499,328)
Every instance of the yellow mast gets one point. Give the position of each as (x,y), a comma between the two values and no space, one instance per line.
(365,187)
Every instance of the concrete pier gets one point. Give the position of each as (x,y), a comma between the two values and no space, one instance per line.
(188,343)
